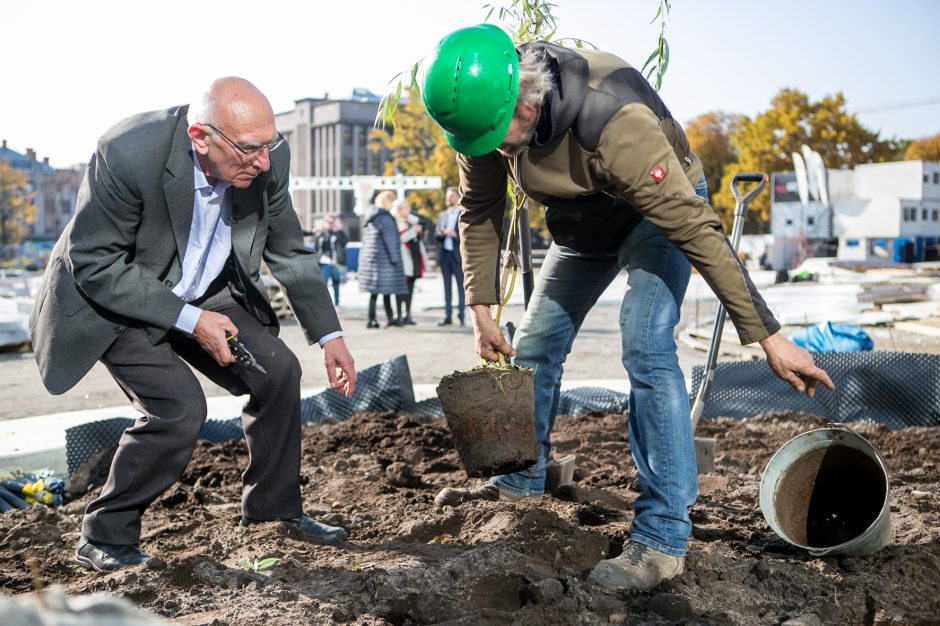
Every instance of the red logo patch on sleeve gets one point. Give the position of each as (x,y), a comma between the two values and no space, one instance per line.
(658,174)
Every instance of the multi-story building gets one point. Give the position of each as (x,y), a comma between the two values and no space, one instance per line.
(331,137)
(54,192)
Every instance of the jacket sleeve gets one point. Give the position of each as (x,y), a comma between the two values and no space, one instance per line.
(636,160)
(293,264)
(483,203)
(103,239)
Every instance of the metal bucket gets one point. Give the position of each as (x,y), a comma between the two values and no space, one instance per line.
(827,491)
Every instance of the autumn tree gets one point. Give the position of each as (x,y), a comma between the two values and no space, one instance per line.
(765,144)
(418,148)
(17,211)
(926,149)
(709,137)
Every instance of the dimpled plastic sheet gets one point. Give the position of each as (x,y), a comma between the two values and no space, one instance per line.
(575,402)
(383,387)
(597,400)
(896,389)
(430,407)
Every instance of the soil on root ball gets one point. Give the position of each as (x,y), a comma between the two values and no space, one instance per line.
(410,562)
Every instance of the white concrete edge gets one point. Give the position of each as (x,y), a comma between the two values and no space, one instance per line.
(33,443)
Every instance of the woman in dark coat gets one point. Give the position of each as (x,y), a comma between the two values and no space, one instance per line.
(380,268)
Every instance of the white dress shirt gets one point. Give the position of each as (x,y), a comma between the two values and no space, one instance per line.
(208,248)
(453,214)
(209,245)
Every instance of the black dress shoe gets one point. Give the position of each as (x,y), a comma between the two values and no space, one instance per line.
(395,322)
(106,557)
(409,322)
(372,324)
(446,322)
(313,528)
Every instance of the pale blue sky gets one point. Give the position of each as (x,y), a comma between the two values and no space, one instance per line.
(74,68)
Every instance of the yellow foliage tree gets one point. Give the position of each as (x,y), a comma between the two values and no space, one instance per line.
(765,144)
(926,149)
(417,148)
(17,210)
(709,137)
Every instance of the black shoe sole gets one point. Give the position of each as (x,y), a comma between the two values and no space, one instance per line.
(88,564)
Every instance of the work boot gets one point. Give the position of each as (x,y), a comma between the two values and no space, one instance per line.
(638,567)
(487,491)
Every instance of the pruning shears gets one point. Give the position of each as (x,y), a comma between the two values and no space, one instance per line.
(242,355)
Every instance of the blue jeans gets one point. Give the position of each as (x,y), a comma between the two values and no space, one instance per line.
(331,275)
(659,425)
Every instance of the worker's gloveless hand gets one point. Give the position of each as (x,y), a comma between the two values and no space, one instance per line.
(340,369)
(489,339)
(210,333)
(794,364)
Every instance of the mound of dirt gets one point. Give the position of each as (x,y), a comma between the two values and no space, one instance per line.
(409,562)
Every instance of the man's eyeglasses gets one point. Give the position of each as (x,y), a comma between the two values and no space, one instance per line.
(250,151)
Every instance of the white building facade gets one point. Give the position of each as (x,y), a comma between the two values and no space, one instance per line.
(878,211)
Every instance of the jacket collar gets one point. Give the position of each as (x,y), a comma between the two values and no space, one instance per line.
(570,79)
(178,183)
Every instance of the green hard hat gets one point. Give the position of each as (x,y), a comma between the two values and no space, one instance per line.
(470,87)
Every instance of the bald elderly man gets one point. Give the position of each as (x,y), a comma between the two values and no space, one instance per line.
(159,265)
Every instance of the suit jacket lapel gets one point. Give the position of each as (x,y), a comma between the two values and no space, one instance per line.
(245,206)
(178,186)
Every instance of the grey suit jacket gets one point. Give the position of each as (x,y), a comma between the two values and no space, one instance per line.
(118,259)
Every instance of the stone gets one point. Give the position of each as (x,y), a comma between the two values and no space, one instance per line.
(545,591)
(671,606)
(604,605)
(402,475)
(807,619)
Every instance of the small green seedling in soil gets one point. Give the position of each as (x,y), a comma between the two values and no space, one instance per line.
(258,565)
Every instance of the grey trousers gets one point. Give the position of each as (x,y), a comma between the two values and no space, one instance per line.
(154,452)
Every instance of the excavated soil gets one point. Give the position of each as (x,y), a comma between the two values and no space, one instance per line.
(408,562)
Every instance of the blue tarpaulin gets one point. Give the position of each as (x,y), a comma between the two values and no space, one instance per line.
(829,337)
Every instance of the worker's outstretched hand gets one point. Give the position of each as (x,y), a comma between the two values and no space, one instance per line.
(490,342)
(794,364)
(340,369)
(210,333)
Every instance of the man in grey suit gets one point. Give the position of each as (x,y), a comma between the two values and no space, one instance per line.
(448,255)
(160,263)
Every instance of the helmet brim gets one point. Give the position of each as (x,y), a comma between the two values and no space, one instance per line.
(483,144)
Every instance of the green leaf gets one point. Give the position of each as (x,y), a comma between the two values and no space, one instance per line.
(658,13)
(665,61)
(268,562)
(650,59)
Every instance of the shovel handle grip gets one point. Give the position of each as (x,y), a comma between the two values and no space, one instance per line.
(748,177)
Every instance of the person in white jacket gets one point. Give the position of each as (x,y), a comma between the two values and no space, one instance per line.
(414,255)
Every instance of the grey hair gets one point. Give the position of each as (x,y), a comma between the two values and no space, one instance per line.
(201,109)
(535,78)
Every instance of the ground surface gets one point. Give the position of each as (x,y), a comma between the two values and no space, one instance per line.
(408,562)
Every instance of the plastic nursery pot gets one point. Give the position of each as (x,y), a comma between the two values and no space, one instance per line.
(491,415)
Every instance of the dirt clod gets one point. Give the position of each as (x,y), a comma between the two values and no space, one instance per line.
(408,562)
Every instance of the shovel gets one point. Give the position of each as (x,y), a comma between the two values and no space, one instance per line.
(705,447)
